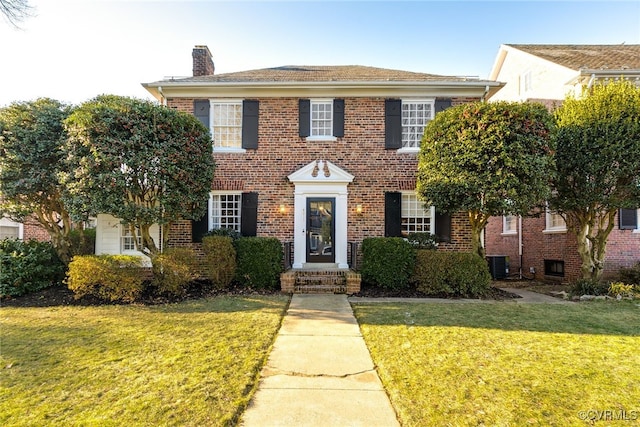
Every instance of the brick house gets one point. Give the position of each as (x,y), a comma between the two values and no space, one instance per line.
(547,73)
(319,157)
(27,230)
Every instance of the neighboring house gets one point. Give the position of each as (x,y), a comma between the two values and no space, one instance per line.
(319,157)
(28,230)
(547,73)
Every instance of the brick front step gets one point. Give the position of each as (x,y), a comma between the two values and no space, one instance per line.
(320,281)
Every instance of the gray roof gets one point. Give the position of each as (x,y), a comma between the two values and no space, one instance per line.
(593,57)
(323,73)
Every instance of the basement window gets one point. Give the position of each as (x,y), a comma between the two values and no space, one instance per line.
(553,268)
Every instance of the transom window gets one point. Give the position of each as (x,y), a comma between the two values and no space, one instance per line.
(415,116)
(415,218)
(127,242)
(225,210)
(322,118)
(227,124)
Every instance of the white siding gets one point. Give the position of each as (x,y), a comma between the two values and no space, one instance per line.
(108,233)
(548,80)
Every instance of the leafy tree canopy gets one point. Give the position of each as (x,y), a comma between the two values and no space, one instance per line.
(597,165)
(140,162)
(486,159)
(31,160)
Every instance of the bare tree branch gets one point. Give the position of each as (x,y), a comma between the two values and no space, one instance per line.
(15,11)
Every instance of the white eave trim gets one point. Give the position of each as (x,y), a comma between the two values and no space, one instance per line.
(473,88)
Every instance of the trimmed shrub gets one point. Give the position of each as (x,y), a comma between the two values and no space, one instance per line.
(589,287)
(631,276)
(174,270)
(227,232)
(387,262)
(422,241)
(108,277)
(456,274)
(220,258)
(259,262)
(28,267)
(83,242)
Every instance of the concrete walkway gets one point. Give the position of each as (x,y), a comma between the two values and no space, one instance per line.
(319,372)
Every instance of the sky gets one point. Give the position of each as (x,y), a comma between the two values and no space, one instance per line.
(73,51)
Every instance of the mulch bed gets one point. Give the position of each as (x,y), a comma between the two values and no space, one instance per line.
(370,291)
(60,295)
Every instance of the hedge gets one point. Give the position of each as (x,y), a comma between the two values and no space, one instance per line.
(457,274)
(387,262)
(28,267)
(259,262)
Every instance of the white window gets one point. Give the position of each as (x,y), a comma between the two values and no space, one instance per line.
(225,210)
(322,118)
(9,232)
(554,222)
(226,122)
(415,218)
(127,242)
(415,116)
(509,224)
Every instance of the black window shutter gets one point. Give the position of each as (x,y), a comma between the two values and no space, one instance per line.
(628,219)
(249,215)
(443,227)
(393,214)
(250,124)
(200,227)
(393,124)
(338,118)
(201,111)
(304,112)
(442,104)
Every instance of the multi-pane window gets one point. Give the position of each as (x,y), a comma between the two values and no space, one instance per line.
(127,242)
(510,224)
(322,118)
(227,124)
(415,116)
(225,211)
(555,222)
(9,232)
(553,268)
(415,218)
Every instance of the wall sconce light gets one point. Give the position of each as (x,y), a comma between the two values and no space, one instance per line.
(359,209)
(282,209)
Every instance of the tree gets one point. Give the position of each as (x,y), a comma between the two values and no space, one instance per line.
(15,11)
(31,159)
(486,159)
(597,166)
(138,161)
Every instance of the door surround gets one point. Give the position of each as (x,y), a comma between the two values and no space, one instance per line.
(320,179)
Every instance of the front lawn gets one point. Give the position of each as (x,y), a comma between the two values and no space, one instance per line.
(506,364)
(190,364)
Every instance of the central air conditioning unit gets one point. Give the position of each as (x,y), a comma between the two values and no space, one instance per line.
(498,266)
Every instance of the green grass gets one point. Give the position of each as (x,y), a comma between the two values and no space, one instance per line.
(188,364)
(506,364)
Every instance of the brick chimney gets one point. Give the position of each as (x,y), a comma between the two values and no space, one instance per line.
(202,61)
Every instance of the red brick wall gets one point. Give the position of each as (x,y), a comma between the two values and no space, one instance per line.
(33,230)
(360,152)
(623,248)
